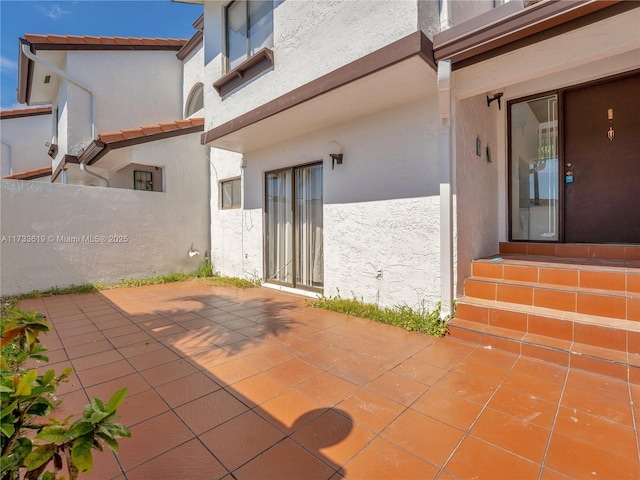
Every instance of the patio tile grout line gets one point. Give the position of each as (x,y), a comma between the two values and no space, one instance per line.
(553,424)
(633,413)
(467,433)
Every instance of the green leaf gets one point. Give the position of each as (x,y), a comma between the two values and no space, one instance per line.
(116,430)
(48,476)
(80,428)
(55,434)
(98,417)
(116,400)
(39,456)
(24,385)
(81,453)
(97,405)
(109,441)
(5,389)
(9,409)
(7,429)
(48,377)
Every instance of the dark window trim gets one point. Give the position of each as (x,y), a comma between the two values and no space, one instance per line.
(221,193)
(253,66)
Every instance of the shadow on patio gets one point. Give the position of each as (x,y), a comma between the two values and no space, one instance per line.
(253,384)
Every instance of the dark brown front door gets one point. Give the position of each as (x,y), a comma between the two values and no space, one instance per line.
(602,151)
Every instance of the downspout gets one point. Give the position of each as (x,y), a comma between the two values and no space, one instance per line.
(446,197)
(10,156)
(83,167)
(32,56)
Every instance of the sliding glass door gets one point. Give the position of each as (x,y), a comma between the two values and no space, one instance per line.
(293,227)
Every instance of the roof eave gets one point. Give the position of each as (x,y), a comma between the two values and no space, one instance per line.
(470,42)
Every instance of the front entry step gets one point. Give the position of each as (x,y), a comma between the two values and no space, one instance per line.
(577,311)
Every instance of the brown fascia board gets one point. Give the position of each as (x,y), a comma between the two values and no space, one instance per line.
(98,149)
(66,159)
(31,112)
(199,23)
(414,44)
(25,74)
(502,33)
(194,42)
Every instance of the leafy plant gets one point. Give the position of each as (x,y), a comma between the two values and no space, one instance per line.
(30,439)
(420,320)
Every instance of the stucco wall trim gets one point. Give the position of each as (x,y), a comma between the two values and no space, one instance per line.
(415,44)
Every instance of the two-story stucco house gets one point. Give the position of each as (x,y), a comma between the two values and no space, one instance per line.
(376,149)
(24,134)
(125,109)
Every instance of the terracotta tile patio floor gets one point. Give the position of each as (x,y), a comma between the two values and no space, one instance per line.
(254,384)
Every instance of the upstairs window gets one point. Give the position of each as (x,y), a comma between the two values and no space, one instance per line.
(249,28)
(195,101)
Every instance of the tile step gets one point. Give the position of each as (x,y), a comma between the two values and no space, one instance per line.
(590,275)
(579,250)
(604,361)
(617,334)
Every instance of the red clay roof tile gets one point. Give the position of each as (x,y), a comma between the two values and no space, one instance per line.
(29,174)
(147,130)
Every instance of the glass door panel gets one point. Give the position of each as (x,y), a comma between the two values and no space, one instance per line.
(308,227)
(278,231)
(294,253)
(534,169)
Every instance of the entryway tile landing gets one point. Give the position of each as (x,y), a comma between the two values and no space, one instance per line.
(255,384)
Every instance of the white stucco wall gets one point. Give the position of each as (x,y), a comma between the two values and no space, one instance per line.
(228,226)
(310,40)
(160,227)
(477,182)
(381,207)
(193,73)
(23,143)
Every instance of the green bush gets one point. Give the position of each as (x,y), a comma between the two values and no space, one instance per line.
(31,440)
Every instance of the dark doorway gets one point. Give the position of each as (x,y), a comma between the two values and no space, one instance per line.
(602,152)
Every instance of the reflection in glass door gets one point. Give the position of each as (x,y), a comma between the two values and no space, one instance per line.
(294,253)
(534,169)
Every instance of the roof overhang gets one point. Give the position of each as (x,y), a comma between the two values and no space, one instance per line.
(97,149)
(37,85)
(393,75)
(512,26)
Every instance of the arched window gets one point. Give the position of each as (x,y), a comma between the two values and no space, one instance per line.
(196,100)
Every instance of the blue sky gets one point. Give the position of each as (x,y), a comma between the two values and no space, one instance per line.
(125,18)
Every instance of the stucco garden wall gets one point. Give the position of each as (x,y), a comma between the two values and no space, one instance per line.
(63,222)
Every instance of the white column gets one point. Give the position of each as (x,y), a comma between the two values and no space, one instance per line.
(446,198)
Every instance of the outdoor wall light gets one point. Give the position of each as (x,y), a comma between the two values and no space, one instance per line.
(334,150)
(497,97)
(192,252)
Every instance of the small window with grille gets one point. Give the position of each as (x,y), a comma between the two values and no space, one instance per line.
(142,180)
